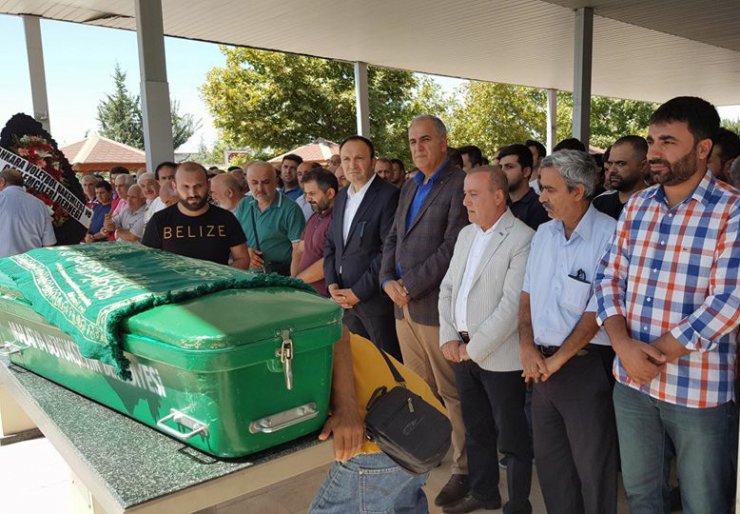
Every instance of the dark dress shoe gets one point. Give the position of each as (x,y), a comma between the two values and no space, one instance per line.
(455,489)
(470,503)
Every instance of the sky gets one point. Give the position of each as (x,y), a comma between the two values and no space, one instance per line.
(80,59)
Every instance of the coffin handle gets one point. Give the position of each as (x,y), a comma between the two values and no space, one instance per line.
(284,419)
(196,427)
(9,349)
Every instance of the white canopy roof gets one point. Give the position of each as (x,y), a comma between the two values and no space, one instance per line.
(646,50)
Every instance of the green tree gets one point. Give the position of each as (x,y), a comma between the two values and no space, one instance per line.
(611,118)
(273,102)
(119,115)
(120,118)
(733,125)
(494,115)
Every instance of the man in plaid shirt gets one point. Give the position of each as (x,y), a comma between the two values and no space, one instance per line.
(669,297)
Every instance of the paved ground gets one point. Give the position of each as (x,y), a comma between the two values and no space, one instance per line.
(35,480)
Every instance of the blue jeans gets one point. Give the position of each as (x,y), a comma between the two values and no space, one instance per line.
(703,444)
(370,484)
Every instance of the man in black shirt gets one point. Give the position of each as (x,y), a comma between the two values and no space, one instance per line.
(626,168)
(194,228)
(516,161)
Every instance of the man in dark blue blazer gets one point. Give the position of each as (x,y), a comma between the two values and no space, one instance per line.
(363,215)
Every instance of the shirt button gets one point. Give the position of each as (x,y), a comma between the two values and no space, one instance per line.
(670,215)
(649,299)
(662,243)
(655,270)
(644,327)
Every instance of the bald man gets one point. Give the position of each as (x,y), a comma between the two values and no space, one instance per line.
(26,219)
(226,191)
(128,224)
(272,222)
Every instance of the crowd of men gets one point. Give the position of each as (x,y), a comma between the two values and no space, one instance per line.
(582,316)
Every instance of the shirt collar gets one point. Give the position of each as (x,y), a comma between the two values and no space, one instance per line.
(363,189)
(702,192)
(584,229)
(419,177)
(481,232)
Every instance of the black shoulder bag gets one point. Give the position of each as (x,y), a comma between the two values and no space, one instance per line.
(405,427)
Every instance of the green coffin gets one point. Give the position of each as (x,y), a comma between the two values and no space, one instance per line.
(230,373)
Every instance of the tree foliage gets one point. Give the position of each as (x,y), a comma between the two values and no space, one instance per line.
(271,101)
(120,118)
(493,115)
(733,125)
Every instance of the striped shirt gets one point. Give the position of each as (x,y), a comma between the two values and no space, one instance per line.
(676,269)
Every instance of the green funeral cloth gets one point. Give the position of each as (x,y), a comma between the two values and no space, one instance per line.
(89,290)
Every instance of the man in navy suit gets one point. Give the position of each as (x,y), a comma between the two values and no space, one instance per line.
(363,215)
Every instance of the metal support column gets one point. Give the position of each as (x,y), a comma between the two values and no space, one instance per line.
(155,91)
(34,48)
(582,74)
(552,119)
(361,96)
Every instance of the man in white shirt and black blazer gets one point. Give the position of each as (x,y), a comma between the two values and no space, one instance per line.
(479,324)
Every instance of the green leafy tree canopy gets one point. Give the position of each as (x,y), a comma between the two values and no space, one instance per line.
(272,102)
(120,119)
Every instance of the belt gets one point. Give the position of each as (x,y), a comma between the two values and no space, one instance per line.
(549,351)
(464,336)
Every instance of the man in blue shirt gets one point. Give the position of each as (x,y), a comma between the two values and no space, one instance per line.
(416,255)
(289,174)
(104,194)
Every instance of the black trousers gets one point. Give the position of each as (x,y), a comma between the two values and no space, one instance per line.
(493,411)
(575,440)
(381,330)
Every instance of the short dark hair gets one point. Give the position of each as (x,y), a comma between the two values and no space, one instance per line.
(570,143)
(164,164)
(358,137)
(103,184)
(292,157)
(701,116)
(541,150)
(400,163)
(639,143)
(474,154)
(455,157)
(234,168)
(729,144)
(119,170)
(324,178)
(522,153)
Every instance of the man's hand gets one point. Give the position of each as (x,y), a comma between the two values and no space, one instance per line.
(344,297)
(641,361)
(451,350)
(534,366)
(255,259)
(348,431)
(552,364)
(89,238)
(462,352)
(397,293)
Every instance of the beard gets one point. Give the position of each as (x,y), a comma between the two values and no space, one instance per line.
(677,172)
(619,183)
(194,204)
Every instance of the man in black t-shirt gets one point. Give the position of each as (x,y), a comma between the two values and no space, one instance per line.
(625,174)
(194,228)
(516,161)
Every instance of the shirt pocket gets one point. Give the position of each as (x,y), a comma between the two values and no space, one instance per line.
(576,295)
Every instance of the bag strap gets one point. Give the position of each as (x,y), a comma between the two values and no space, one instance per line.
(254,226)
(396,375)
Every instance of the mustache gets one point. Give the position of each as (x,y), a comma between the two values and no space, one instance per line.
(659,161)
(547,205)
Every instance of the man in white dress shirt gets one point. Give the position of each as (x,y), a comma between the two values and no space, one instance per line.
(479,318)
(562,349)
(26,220)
